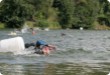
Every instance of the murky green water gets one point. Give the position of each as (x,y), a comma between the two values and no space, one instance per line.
(78,53)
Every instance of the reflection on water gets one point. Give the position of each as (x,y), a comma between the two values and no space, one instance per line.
(78,53)
(54,69)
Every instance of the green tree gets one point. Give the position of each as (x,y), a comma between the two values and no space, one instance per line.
(104,13)
(85,13)
(15,12)
(107,14)
(42,7)
(66,9)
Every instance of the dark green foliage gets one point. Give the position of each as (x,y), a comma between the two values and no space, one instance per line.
(103,20)
(67,13)
(14,22)
(85,13)
(15,12)
(104,13)
(66,8)
(43,24)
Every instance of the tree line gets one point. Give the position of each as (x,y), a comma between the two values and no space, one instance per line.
(55,13)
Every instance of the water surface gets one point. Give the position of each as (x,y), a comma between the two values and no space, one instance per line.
(85,52)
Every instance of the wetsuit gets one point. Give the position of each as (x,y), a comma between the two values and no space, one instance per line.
(39,46)
(27,45)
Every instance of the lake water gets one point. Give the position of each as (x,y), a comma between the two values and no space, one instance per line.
(79,52)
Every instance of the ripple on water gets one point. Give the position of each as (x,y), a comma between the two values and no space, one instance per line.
(78,53)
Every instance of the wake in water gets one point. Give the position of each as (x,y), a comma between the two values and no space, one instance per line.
(14,45)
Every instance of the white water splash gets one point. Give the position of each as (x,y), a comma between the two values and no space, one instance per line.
(15,45)
(108,74)
(1,74)
(0,0)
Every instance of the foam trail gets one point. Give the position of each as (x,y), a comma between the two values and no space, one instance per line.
(15,44)
(0,0)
